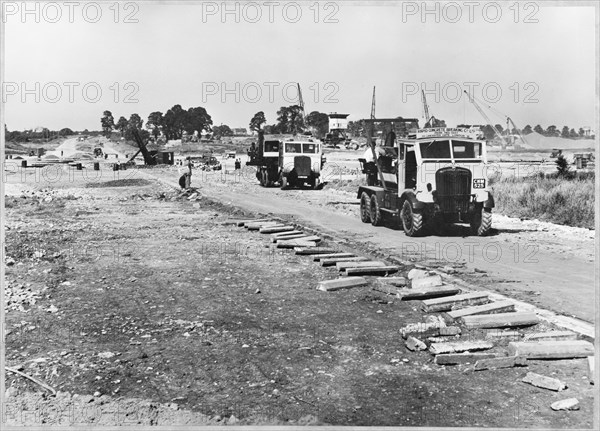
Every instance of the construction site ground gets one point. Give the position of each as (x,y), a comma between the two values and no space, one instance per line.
(140,306)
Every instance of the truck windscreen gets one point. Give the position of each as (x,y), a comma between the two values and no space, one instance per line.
(293,148)
(466,149)
(271,146)
(309,148)
(435,149)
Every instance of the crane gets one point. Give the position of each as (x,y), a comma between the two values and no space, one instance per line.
(373,104)
(486,118)
(425,106)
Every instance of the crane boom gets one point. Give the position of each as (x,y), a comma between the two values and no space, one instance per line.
(425,107)
(486,118)
(373,104)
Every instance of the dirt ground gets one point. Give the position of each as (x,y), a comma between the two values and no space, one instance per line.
(140,306)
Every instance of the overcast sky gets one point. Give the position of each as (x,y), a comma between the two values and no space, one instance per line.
(191,54)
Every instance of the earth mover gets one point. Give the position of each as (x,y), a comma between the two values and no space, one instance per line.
(291,163)
(427,180)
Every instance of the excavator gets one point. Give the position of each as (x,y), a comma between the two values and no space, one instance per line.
(148,158)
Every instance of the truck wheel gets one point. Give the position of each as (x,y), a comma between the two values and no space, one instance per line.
(262,179)
(376,218)
(365,210)
(412,222)
(315,183)
(481,222)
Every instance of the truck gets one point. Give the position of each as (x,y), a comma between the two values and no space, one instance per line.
(290,163)
(425,181)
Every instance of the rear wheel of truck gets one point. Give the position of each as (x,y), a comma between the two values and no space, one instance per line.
(412,222)
(481,222)
(365,210)
(376,217)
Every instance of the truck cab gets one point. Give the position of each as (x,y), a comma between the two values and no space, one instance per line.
(300,163)
(429,180)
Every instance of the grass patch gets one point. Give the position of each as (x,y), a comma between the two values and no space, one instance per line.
(567,201)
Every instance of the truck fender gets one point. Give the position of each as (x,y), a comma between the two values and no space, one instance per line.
(371,190)
(489,203)
(415,203)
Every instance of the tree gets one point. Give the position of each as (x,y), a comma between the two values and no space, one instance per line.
(572,134)
(222,130)
(565,132)
(197,119)
(318,122)
(122,125)
(289,119)
(581,132)
(538,129)
(551,131)
(562,166)
(271,129)
(174,121)
(66,132)
(155,122)
(108,123)
(527,130)
(135,122)
(257,121)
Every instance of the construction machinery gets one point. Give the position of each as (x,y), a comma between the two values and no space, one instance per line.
(337,136)
(148,159)
(425,181)
(486,118)
(430,121)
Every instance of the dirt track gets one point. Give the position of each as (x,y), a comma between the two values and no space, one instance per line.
(531,261)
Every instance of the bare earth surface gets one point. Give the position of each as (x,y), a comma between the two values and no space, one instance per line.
(141,307)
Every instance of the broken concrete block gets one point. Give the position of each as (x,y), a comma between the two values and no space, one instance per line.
(450,330)
(493,307)
(544,382)
(334,260)
(461,358)
(342,266)
(244,222)
(503,362)
(282,235)
(258,225)
(312,251)
(422,328)
(414,344)
(386,288)
(446,303)
(567,349)
(459,346)
(427,293)
(500,320)
(502,333)
(293,243)
(568,404)
(372,270)
(417,273)
(318,257)
(423,282)
(341,283)
(551,335)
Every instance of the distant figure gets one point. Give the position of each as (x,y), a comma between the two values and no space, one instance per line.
(61,153)
(238,164)
(183,180)
(105,156)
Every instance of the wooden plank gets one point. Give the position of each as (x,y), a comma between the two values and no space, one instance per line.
(500,320)
(428,292)
(293,243)
(461,358)
(318,257)
(459,346)
(312,251)
(493,307)
(342,266)
(503,362)
(544,382)
(394,281)
(334,260)
(446,303)
(373,270)
(341,283)
(551,335)
(562,349)
(276,229)
(282,235)
(423,282)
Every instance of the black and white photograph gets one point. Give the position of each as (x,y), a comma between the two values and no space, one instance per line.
(299,214)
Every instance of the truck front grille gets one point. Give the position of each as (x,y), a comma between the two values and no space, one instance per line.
(302,165)
(453,189)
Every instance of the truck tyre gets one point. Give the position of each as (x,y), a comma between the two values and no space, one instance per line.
(263,178)
(412,222)
(376,218)
(481,222)
(365,210)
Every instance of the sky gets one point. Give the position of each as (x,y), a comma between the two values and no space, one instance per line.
(66,63)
